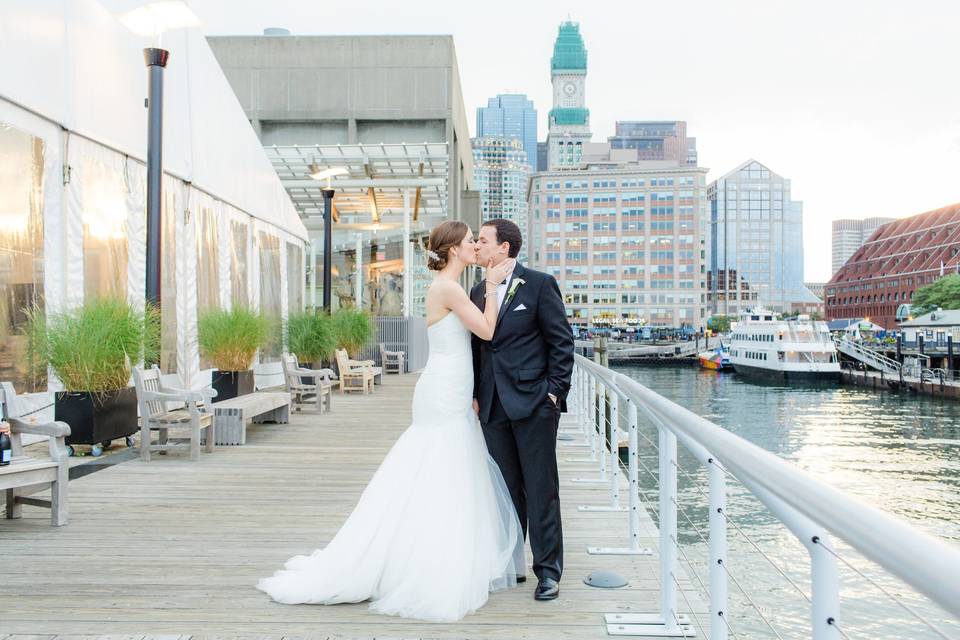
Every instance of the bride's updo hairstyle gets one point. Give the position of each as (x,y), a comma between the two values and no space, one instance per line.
(444,236)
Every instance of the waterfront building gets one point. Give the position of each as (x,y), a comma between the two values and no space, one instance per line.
(501,174)
(625,241)
(569,119)
(511,115)
(756,253)
(816,288)
(664,141)
(848,235)
(73,191)
(389,109)
(879,280)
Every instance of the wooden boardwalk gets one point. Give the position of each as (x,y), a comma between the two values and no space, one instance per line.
(174,548)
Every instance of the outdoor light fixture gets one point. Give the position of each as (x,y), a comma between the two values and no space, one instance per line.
(327,174)
(151,20)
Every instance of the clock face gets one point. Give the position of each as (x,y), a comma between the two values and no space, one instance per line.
(569,89)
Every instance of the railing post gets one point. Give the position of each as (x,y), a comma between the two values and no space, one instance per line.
(598,409)
(668,529)
(718,550)
(825,583)
(615,451)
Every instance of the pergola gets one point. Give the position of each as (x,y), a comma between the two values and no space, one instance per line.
(389,189)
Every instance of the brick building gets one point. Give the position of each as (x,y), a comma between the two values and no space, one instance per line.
(899,258)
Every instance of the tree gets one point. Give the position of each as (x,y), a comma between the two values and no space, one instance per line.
(944,293)
(719,324)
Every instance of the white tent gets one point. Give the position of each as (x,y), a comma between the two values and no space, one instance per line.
(73,132)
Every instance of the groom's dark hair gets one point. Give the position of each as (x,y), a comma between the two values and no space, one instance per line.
(507,232)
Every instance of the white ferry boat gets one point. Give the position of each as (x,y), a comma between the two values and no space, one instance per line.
(767,348)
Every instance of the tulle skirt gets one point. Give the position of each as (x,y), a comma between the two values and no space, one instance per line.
(433,534)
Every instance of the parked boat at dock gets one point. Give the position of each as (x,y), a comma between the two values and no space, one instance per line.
(771,349)
(716,359)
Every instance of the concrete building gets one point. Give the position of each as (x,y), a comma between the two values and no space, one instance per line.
(848,235)
(656,141)
(816,288)
(756,253)
(879,280)
(625,241)
(501,173)
(569,119)
(511,116)
(389,110)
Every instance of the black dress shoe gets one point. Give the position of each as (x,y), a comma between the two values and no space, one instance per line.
(547,589)
(521,579)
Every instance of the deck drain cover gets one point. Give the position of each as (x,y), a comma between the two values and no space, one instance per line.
(605,580)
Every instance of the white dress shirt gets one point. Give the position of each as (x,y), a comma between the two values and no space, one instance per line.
(502,291)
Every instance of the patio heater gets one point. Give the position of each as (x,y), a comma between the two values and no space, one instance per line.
(151,20)
(327,192)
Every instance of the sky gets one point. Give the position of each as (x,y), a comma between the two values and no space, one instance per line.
(856,102)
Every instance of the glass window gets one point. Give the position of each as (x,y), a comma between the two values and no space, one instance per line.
(270,305)
(21,250)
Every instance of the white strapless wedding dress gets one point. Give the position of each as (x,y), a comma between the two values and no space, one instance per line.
(435,531)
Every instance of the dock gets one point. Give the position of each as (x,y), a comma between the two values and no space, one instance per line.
(174,548)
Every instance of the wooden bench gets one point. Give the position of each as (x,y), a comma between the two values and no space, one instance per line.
(190,415)
(357,375)
(26,475)
(392,361)
(305,385)
(230,417)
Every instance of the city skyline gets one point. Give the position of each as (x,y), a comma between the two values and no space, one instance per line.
(781,84)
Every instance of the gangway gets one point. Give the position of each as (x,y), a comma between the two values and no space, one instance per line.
(869,357)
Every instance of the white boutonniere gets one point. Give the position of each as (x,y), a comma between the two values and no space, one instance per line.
(516,284)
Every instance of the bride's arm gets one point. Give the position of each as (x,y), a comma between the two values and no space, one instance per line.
(480,323)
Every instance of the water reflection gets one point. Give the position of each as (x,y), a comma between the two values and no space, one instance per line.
(900,453)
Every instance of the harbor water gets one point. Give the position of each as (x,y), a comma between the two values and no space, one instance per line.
(899,452)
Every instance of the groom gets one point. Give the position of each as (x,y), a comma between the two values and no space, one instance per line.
(521,378)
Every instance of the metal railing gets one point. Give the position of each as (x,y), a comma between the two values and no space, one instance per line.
(867,356)
(807,507)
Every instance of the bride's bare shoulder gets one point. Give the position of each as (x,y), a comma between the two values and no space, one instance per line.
(444,288)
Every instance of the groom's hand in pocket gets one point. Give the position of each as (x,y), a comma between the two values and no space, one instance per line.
(476,407)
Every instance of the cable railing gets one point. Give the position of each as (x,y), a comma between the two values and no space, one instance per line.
(607,402)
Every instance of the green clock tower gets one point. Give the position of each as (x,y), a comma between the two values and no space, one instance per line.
(569,121)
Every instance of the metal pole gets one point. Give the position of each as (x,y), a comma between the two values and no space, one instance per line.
(327,248)
(633,470)
(313,275)
(358,285)
(156,61)
(615,451)
(668,529)
(407,280)
(718,550)
(602,418)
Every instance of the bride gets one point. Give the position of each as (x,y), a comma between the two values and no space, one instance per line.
(435,531)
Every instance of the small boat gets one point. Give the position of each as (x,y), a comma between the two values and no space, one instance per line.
(716,359)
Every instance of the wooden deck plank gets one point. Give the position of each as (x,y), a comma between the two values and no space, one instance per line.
(174,548)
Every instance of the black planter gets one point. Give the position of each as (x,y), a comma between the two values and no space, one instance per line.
(99,417)
(230,384)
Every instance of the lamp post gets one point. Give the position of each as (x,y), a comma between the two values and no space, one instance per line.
(327,192)
(151,20)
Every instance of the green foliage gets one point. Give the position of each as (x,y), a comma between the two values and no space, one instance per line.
(93,347)
(353,329)
(311,336)
(719,324)
(230,338)
(944,293)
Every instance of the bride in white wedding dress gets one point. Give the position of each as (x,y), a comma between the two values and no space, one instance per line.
(435,531)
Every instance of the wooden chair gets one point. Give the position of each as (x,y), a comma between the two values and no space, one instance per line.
(355,375)
(195,414)
(25,475)
(392,361)
(298,385)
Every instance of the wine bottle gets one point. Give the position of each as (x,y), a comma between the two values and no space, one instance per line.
(6,446)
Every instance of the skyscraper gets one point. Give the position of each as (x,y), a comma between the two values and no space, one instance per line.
(756,253)
(511,115)
(500,172)
(569,118)
(849,235)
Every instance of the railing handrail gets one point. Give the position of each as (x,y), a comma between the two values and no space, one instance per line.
(845,346)
(925,562)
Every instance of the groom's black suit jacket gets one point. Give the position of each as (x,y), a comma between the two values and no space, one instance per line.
(531,353)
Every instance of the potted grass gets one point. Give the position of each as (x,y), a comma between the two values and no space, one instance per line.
(92,349)
(311,338)
(353,329)
(230,339)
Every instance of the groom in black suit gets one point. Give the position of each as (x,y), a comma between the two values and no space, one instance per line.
(521,378)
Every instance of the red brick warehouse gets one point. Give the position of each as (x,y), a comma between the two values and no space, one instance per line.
(899,258)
